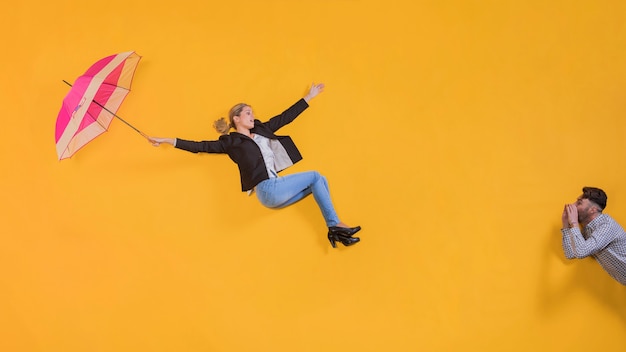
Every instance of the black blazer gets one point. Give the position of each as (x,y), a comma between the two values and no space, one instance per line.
(247,154)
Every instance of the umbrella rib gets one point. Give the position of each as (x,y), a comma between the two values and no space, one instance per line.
(114,114)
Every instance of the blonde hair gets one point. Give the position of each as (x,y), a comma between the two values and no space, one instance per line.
(221,126)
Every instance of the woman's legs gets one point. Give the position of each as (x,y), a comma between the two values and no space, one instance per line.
(284,191)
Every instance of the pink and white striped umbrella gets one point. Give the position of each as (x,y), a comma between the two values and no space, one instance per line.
(93,101)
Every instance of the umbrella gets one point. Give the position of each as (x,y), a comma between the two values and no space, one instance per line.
(93,101)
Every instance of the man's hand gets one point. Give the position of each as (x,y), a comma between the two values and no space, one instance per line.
(570,216)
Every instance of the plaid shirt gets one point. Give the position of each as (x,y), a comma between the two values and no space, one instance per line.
(602,238)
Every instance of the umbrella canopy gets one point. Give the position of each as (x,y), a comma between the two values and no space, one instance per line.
(91,104)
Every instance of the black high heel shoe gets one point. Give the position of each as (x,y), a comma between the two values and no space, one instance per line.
(345,240)
(348,231)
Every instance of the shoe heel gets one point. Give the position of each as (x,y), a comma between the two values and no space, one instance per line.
(332,240)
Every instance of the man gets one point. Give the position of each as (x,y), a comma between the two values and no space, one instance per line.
(602,237)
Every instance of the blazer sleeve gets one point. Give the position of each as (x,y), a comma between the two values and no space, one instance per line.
(201,147)
(287,116)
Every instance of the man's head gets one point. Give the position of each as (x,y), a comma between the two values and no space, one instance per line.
(596,196)
(590,204)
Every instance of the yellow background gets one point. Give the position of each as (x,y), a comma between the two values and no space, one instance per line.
(452,131)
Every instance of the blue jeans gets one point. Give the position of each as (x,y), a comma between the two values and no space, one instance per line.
(279,192)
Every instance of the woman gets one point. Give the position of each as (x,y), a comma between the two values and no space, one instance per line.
(260,155)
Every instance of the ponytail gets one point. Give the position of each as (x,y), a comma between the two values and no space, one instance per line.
(221,126)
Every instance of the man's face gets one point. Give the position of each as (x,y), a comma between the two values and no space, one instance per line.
(585,208)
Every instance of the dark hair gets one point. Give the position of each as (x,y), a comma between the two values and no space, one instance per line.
(595,195)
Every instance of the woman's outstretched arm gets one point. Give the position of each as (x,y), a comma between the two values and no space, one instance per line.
(192,146)
(287,116)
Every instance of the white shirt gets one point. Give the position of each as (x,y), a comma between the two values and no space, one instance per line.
(268,154)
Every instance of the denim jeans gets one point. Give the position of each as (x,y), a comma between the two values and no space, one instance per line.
(279,192)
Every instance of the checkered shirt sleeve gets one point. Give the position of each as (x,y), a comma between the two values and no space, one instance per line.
(604,239)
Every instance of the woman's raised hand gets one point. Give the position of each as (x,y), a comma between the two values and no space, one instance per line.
(314,91)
